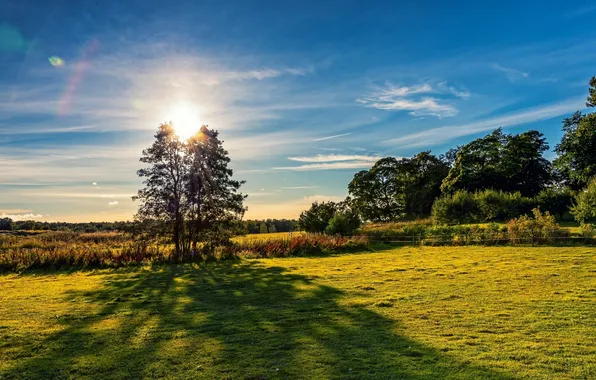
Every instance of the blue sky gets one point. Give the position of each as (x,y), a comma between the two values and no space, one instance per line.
(304,94)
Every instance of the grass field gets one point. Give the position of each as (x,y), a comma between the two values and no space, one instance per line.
(419,313)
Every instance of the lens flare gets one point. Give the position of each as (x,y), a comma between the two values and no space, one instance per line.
(56,61)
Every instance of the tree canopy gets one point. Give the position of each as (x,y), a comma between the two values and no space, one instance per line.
(188,188)
(501,162)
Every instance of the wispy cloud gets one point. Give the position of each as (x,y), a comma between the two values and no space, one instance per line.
(329,166)
(14,211)
(407,98)
(332,137)
(112,203)
(335,158)
(439,135)
(512,75)
(297,187)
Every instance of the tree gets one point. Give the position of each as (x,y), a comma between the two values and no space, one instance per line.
(501,162)
(263,228)
(378,196)
(420,179)
(189,194)
(163,197)
(576,159)
(6,224)
(317,217)
(591,101)
(214,202)
(584,207)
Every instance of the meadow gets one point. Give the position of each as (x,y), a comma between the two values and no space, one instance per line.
(410,312)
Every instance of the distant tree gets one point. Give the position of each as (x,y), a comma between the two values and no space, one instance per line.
(584,207)
(6,224)
(263,228)
(272,228)
(316,219)
(188,189)
(501,162)
(377,194)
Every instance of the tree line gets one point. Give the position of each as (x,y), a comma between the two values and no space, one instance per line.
(494,177)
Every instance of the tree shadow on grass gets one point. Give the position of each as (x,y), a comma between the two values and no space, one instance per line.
(230,320)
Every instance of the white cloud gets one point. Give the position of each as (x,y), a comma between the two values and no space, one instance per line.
(443,134)
(332,137)
(400,98)
(511,74)
(335,158)
(94,183)
(112,203)
(17,217)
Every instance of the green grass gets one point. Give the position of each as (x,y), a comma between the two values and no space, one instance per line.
(420,313)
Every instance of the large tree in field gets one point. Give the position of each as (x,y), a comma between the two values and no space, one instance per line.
(502,162)
(376,193)
(188,193)
(577,149)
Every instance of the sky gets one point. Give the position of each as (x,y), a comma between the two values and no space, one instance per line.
(304,94)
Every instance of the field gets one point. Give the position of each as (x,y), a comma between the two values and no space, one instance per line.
(420,313)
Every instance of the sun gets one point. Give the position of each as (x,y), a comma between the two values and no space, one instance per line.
(186,121)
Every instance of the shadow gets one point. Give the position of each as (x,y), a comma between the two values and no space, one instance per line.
(228,320)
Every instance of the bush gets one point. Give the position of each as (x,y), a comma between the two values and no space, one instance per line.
(500,205)
(555,201)
(459,208)
(316,219)
(343,223)
(584,207)
(542,228)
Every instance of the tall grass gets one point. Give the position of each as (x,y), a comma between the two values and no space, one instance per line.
(103,249)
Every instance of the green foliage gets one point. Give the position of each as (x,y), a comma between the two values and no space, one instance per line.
(584,207)
(263,228)
(394,187)
(501,206)
(344,223)
(378,196)
(591,100)
(557,201)
(576,159)
(317,217)
(188,187)
(539,229)
(458,208)
(6,224)
(280,225)
(512,163)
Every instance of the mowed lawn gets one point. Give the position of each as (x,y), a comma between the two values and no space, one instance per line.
(419,313)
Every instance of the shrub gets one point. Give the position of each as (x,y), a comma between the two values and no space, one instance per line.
(316,219)
(584,207)
(541,228)
(556,201)
(343,223)
(459,208)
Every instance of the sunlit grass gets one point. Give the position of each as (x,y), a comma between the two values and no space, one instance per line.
(423,313)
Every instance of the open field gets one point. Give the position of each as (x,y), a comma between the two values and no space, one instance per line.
(431,312)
